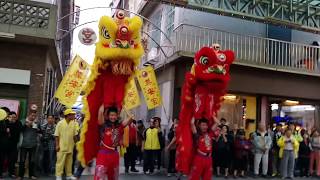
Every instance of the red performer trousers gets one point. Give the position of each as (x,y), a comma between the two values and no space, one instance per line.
(107,165)
(201,168)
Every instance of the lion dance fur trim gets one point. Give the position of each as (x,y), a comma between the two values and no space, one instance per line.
(118,53)
(202,94)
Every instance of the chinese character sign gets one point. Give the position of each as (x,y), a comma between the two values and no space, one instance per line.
(149,86)
(72,82)
(132,98)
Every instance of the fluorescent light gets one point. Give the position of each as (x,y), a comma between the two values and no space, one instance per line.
(274,107)
(7,35)
(230,97)
(310,109)
(291,102)
(298,108)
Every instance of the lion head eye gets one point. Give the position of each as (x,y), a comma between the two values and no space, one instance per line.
(222,57)
(105,33)
(204,60)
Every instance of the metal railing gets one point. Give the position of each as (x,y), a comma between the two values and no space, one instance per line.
(251,50)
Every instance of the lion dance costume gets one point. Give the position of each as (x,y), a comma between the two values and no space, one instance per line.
(202,95)
(117,55)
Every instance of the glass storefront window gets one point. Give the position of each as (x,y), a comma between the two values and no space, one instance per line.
(238,110)
(303,115)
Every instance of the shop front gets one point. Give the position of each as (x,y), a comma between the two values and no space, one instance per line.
(304,114)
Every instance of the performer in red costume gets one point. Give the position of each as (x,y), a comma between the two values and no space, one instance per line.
(117,56)
(203,139)
(202,94)
(111,130)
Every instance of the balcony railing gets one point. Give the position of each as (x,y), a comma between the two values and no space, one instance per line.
(28,18)
(251,50)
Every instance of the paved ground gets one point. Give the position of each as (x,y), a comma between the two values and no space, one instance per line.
(157,176)
(144,177)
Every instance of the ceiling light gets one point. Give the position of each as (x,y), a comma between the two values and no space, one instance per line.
(310,109)
(291,102)
(274,106)
(230,97)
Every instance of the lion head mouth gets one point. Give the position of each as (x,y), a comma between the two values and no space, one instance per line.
(217,69)
(122,67)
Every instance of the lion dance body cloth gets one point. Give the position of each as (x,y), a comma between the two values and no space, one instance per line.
(202,94)
(117,55)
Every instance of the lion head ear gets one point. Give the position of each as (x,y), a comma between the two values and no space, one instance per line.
(230,56)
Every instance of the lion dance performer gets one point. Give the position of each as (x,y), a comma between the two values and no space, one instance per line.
(117,55)
(202,94)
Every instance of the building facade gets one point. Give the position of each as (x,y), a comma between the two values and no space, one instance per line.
(32,61)
(274,79)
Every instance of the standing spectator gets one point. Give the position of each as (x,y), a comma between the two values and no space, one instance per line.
(131,155)
(295,133)
(288,152)
(29,144)
(261,144)
(140,131)
(15,128)
(150,146)
(171,148)
(223,151)
(275,150)
(315,153)
(66,135)
(48,145)
(241,154)
(157,124)
(223,122)
(4,138)
(304,156)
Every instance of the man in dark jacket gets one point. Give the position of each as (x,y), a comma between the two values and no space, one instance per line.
(15,128)
(30,132)
(4,138)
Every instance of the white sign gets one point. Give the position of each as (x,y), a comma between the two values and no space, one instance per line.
(87,36)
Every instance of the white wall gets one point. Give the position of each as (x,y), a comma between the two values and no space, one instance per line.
(304,37)
(218,22)
(15,76)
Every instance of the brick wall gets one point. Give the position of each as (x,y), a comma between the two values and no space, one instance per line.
(27,57)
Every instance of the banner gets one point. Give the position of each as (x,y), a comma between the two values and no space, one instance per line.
(72,82)
(149,85)
(132,98)
(13,105)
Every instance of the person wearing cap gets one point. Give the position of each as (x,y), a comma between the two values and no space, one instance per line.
(66,136)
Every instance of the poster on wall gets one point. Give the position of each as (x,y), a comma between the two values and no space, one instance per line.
(13,105)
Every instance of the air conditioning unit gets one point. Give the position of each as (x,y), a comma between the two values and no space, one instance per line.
(153,57)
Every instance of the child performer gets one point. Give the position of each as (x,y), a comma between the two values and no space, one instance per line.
(111,130)
(202,162)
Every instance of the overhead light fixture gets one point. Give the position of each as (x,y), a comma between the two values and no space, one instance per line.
(310,109)
(291,102)
(230,97)
(7,35)
(274,106)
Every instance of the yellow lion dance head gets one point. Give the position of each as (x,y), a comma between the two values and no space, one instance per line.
(120,41)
